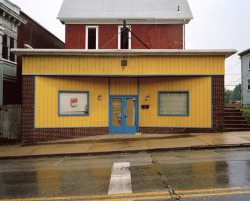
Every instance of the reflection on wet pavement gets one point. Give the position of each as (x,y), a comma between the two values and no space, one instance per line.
(55,177)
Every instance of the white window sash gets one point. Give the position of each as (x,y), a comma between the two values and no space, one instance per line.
(87,34)
(119,37)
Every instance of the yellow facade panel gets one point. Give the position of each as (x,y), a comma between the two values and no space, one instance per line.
(46,102)
(137,65)
(199,89)
(123,86)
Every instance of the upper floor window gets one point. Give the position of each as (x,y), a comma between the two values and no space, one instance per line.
(124,40)
(91,37)
(249,66)
(7,44)
(248,86)
(5,47)
(12,55)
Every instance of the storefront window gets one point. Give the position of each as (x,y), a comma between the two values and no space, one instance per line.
(73,103)
(174,103)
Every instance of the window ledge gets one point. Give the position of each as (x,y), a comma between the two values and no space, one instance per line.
(8,61)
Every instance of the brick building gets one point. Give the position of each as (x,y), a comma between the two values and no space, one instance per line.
(19,29)
(159,24)
(107,80)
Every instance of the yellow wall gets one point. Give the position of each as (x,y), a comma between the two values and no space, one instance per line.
(138,65)
(123,86)
(46,101)
(199,101)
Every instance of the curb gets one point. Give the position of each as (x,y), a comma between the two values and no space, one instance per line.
(107,140)
(206,147)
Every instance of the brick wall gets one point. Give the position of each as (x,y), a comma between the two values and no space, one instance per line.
(155,36)
(218,113)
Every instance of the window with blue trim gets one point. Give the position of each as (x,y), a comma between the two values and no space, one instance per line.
(174,103)
(73,103)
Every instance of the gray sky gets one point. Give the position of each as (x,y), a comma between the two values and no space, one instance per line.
(217,24)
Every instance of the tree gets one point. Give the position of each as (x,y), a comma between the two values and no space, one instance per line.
(236,93)
(228,96)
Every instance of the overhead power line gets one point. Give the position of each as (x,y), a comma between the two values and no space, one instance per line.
(233,66)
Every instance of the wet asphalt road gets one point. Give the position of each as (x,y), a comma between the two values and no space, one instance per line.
(69,177)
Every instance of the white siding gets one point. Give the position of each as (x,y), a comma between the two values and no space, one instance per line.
(245,76)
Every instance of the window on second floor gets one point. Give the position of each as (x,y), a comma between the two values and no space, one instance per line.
(7,44)
(12,55)
(91,37)
(124,40)
(5,47)
(248,87)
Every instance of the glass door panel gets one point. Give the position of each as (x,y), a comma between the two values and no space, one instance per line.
(116,112)
(130,112)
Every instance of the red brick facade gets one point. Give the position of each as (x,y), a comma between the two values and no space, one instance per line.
(155,36)
(31,135)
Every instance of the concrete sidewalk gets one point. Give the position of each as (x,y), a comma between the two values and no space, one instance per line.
(118,143)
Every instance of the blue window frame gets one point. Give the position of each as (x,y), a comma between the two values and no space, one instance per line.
(73,103)
(173,103)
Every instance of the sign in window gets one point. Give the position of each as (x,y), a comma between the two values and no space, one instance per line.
(72,103)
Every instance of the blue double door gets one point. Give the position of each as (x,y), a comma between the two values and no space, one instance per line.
(123,115)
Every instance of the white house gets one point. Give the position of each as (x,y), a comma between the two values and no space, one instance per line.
(245,77)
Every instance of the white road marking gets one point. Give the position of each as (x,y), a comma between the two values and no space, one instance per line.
(58,162)
(120,181)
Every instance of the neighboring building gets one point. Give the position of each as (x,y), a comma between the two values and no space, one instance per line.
(10,20)
(245,77)
(36,36)
(82,91)
(17,29)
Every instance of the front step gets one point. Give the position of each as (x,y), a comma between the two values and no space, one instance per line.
(235,121)
(236,126)
(235,114)
(236,129)
(236,118)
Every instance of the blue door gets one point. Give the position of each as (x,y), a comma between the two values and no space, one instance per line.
(123,115)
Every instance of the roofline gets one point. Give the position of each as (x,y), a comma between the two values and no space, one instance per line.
(115,52)
(244,52)
(11,12)
(129,21)
(22,12)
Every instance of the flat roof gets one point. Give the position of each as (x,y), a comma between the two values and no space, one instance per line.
(116,52)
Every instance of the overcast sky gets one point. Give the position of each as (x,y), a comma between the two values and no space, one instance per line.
(217,24)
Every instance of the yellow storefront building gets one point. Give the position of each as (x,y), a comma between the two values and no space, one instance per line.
(75,93)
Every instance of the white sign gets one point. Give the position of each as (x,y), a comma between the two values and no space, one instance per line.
(73,103)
